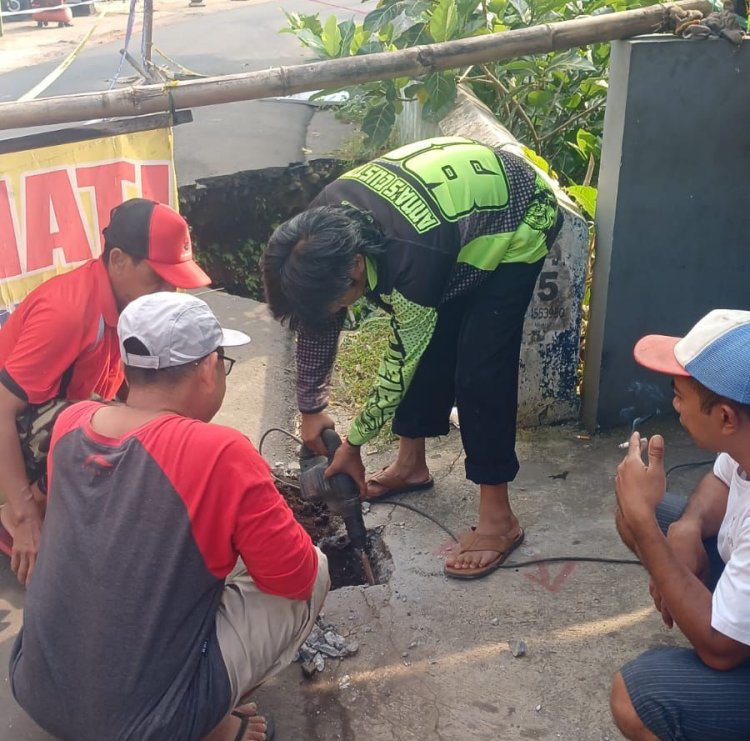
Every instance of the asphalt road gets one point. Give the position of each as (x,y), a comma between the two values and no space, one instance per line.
(226,138)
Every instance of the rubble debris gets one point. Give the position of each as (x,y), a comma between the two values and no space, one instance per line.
(323,642)
(345,682)
(517,647)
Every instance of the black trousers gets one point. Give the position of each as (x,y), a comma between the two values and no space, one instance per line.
(472,360)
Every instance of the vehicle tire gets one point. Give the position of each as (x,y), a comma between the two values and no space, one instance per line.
(13,6)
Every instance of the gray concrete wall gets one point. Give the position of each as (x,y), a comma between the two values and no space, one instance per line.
(673,220)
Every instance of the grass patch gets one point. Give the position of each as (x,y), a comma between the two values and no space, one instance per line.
(357,367)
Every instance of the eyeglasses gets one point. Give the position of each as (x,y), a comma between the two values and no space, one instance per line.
(228,362)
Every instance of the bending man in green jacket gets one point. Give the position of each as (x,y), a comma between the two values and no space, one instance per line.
(448,236)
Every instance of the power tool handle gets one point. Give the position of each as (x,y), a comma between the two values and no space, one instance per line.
(331,440)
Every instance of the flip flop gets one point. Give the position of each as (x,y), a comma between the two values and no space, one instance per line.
(471,542)
(245,722)
(393,485)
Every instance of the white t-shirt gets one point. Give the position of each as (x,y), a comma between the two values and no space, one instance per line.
(730,613)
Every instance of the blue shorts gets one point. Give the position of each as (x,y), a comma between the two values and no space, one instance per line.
(679,698)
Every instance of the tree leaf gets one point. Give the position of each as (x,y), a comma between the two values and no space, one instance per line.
(378,123)
(377,19)
(358,40)
(415,35)
(587,142)
(539,98)
(522,8)
(585,197)
(569,61)
(311,41)
(347,29)
(371,47)
(537,160)
(331,37)
(441,94)
(413,90)
(444,21)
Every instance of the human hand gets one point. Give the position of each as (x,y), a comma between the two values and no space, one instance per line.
(660,606)
(27,532)
(311,429)
(348,459)
(638,487)
(684,538)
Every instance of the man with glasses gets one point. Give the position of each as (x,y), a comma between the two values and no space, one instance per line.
(173,578)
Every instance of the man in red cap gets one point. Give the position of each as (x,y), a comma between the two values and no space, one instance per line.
(697,550)
(60,344)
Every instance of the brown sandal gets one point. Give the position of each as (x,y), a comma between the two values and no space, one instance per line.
(471,541)
(393,485)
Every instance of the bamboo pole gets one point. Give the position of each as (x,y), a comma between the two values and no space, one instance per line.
(282,81)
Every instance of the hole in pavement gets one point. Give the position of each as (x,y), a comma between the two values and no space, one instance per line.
(345,565)
(325,529)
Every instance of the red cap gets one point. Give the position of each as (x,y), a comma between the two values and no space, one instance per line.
(159,235)
(656,352)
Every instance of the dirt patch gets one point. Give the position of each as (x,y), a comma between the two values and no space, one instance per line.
(314,517)
(345,563)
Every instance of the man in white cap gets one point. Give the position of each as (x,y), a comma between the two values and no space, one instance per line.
(140,621)
(697,551)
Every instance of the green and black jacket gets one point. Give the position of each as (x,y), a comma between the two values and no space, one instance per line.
(451,210)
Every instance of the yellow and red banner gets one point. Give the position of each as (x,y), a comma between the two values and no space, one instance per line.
(55,201)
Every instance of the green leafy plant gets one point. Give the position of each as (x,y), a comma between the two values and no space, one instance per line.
(554,103)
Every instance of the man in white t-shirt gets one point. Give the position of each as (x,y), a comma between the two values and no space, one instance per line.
(697,551)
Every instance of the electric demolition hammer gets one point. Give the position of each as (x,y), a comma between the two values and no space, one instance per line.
(339,493)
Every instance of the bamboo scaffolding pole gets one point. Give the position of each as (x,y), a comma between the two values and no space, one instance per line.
(283,81)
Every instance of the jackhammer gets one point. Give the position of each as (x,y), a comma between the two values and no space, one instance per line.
(339,493)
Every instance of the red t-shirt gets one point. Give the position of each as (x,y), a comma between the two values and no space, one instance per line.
(71,318)
(119,637)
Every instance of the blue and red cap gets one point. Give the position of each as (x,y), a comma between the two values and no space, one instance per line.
(716,352)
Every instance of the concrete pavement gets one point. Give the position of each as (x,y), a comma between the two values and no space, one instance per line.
(434,661)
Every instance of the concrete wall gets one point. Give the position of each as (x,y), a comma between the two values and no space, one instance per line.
(550,351)
(673,221)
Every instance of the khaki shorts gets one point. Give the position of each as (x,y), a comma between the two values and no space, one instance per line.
(258,633)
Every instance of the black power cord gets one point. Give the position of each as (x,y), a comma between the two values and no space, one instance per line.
(445,528)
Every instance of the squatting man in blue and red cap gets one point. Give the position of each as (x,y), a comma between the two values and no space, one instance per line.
(696,550)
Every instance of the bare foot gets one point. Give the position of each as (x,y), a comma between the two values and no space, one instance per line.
(396,476)
(255,725)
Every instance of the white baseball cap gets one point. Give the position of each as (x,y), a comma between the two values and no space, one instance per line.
(175,328)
